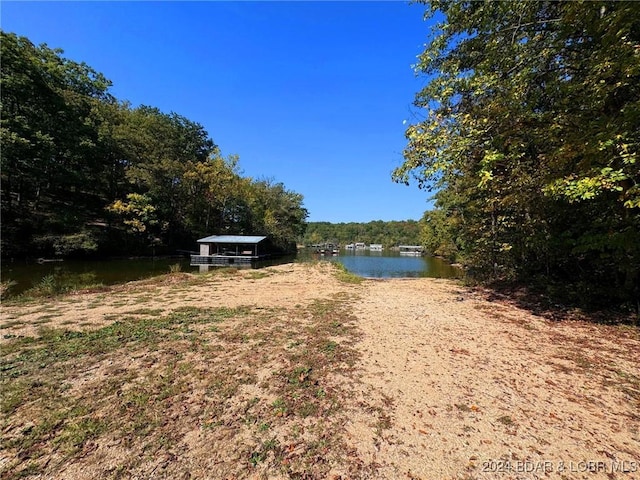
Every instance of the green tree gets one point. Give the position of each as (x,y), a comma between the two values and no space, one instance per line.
(49,142)
(278,213)
(530,138)
(137,213)
(217,195)
(160,149)
(438,235)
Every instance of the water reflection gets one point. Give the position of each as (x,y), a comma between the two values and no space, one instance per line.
(75,274)
(393,265)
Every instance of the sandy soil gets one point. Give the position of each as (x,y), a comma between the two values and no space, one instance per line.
(468,388)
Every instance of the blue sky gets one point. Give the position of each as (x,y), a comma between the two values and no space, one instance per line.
(309,94)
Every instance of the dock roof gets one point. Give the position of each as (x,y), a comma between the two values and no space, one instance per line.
(243,239)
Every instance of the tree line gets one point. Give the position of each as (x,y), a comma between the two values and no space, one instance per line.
(528,133)
(388,234)
(84,173)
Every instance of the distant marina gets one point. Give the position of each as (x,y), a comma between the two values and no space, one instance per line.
(359,247)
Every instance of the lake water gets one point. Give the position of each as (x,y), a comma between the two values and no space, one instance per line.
(72,273)
(393,265)
(75,272)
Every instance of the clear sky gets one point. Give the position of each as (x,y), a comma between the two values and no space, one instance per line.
(309,94)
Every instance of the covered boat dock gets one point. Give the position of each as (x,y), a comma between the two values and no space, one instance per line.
(225,250)
(411,250)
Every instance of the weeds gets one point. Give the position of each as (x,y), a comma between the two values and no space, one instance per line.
(48,286)
(258,274)
(262,453)
(56,285)
(505,420)
(37,373)
(345,276)
(5,288)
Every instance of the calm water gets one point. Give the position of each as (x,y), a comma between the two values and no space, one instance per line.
(74,272)
(108,272)
(393,265)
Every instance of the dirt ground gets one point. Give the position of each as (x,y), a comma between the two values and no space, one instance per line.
(437,382)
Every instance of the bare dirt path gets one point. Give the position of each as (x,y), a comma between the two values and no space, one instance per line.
(484,390)
(445,383)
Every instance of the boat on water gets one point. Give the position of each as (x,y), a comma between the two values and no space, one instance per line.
(327,249)
(411,250)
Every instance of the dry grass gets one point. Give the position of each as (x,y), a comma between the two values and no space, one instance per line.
(260,389)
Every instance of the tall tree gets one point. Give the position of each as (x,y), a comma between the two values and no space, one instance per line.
(49,155)
(217,193)
(160,149)
(530,137)
(277,212)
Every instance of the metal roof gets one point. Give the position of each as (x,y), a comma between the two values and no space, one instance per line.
(245,239)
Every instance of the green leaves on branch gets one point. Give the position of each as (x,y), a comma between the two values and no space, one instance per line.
(137,213)
(530,138)
(575,189)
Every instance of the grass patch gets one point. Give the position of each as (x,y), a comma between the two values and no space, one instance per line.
(154,312)
(258,274)
(13,323)
(57,285)
(330,347)
(346,276)
(45,319)
(506,420)
(38,374)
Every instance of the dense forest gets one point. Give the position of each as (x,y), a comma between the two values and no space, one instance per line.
(388,234)
(84,173)
(528,132)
